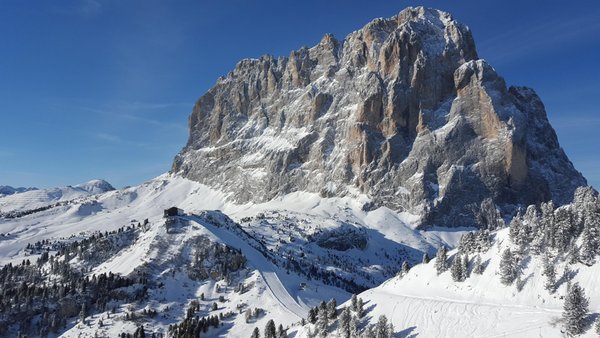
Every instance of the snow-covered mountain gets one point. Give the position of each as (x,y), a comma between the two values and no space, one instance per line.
(6,190)
(34,199)
(309,179)
(401,110)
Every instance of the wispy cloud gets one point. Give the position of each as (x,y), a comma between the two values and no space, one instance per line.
(108,137)
(131,111)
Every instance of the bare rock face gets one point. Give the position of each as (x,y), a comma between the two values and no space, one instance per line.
(401,110)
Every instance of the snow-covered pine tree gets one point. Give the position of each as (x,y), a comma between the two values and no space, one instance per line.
(255,333)
(369,332)
(597,326)
(550,273)
(322,323)
(312,315)
(575,310)
(465,266)
(360,311)
(508,268)
(391,333)
(563,233)
(281,332)
(441,258)
(405,268)
(478,266)
(332,308)
(425,258)
(381,328)
(456,269)
(573,253)
(353,326)
(353,301)
(82,313)
(589,246)
(344,323)
(547,223)
(270,330)
(515,228)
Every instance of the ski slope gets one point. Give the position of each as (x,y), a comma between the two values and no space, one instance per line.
(269,272)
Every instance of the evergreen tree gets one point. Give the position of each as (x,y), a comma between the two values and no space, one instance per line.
(360,311)
(381,328)
(82,313)
(575,310)
(322,323)
(573,254)
(369,332)
(255,333)
(563,234)
(281,332)
(456,269)
(332,308)
(405,268)
(589,246)
(597,326)
(312,315)
(391,333)
(550,274)
(270,330)
(353,301)
(344,323)
(465,267)
(515,229)
(353,326)
(441,257)
(508,268)
(477,265)
(425,258)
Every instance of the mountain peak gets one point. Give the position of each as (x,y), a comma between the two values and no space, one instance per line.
(401,110)
(96,186)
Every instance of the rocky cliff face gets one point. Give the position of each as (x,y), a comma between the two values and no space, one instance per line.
(402,110)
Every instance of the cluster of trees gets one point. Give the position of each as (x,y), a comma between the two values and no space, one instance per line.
(475,242)
(223,260)
(270,331)
(40,298)
(22,213)
(193,327)
(326,318)
(572,229)
(570,234)
(253,314)
(28,294)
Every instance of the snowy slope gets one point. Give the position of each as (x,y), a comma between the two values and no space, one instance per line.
(6,190)
(423,303)
(286,294)
(40,198)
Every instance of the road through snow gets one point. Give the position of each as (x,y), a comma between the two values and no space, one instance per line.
(267,269)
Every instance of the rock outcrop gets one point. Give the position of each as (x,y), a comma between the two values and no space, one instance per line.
(401,110)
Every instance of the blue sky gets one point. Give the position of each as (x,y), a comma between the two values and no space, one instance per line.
(103,88)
